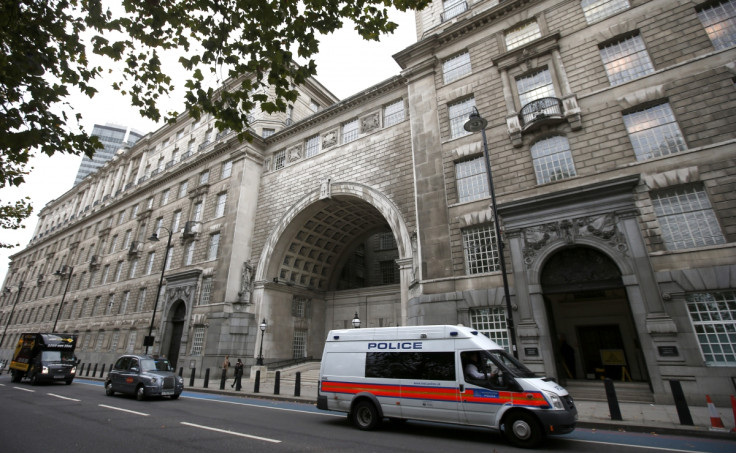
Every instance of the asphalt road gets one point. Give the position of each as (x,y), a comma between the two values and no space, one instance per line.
(81,418)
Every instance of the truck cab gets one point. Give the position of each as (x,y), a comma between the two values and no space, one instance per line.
(44,357)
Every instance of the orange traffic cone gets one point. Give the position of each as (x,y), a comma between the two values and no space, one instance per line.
(733,406)
(716,424)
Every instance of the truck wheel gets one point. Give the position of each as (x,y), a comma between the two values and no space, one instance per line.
(34,379)
(140,393)
(108,389)
(522,430)
(15,376)
(365,416)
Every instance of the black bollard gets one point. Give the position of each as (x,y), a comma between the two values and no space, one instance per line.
(298,384)
(223,378)
(681,404)
(207,378)
(81,370)
(191,378)
(94,372)
(257,383)
(277,383)
(89,366)
(612,400)
(102,372)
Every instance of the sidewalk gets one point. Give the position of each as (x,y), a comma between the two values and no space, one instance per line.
(637,417)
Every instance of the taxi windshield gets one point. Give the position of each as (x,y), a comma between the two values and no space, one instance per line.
(155,365)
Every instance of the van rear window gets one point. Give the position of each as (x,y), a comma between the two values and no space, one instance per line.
(438,366)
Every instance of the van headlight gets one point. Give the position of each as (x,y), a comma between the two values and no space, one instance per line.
(554,399)
(74,370)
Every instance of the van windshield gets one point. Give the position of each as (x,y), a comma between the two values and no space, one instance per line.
(508,363)
(57,356)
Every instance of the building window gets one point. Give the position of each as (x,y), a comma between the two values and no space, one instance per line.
(386,241)
(141,300)
(455,67)
(197,340)
(719,20)
(204,177)
(169,255)
(350,131)
(686,218)
(131,341)
(552,160)
(393,113)
(299,344)
(113,244)
(124,303)
(110,304)
(299,306)
(596,10)
(535,86)
(471,180)
(149,263)
(149,203)
(227,169)
(118,271)
(197,214)
(159,224)
(389,272)
(121,217)
(522,34)
(220,206)
(491,322)
(189,255)
(311,146)
(458,115)
(105,274)
(267,132)
(134,212)
(453,8)
(133,268)
(126,239)
(714,320)
(626,59)
(97,307)
(480,250)
(183,189)
(654,132)
(279,160)
(100,340)
(204,298)
(214,245)
(314,106)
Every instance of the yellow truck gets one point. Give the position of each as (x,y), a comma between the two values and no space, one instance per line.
(44,357)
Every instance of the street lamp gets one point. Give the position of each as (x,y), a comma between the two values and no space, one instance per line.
(477,123)
(7,323)
(148,341)
(356,321)
(259,361)
(60,273)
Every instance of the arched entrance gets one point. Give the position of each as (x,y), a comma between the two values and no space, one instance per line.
(590,317)
(177,316)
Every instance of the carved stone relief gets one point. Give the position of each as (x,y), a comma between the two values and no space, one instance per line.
(329,139)
(294,153)
(369,123)
(246,282)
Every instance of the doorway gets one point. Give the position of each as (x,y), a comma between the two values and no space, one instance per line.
(177,328)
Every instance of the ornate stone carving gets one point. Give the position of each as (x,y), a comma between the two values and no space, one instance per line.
(325,190)
(329,139)
(294,153)
(246,282)
(180,292)
(369,123)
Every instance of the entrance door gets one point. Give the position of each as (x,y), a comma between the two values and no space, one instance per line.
(177,328)
(602,351)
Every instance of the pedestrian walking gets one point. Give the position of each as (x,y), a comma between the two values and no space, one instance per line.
(238,375)
(225,366)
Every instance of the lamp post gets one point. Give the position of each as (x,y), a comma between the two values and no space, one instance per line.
(477,123)
(148,341)
(356,321)
(259,361)
(61,273)
(7,323)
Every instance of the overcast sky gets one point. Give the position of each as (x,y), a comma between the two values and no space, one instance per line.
(346,65)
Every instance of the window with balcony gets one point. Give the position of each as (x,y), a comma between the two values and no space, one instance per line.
(534,86)
(350,131)
(596,10)
(626,59)
(455,67)
(686,218)
(552,159)
(713,315)
(311,146)
(480,250)
(719,20)
(453,8)
(458,114)
(393,113)
(522,34)
(654,132)
(471,179)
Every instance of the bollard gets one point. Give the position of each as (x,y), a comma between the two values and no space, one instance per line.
(277,383)
(298,384)
(191,378)
(94,371)
(102,372)
(207,378)
(89,365)
(223,378)
(612,400)
(81,370)
(681,404)
(181,371)
(257,383)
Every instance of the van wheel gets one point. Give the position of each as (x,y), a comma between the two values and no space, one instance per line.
(522,430)
(108,389)
(365,416)
(69,381)
(140,393)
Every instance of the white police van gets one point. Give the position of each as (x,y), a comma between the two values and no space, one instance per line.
(419,373)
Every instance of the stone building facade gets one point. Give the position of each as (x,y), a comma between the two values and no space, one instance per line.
(611,142)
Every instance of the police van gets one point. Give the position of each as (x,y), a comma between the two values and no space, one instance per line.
(449,374)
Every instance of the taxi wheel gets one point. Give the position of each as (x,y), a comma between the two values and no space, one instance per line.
(365,416)
(522,429)
(140,393)
(174,397)
(108,389)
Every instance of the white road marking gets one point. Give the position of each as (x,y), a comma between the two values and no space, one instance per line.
(264,407)
(25,389)
(632,445)
(63,397)
(123,410)
(209,428)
